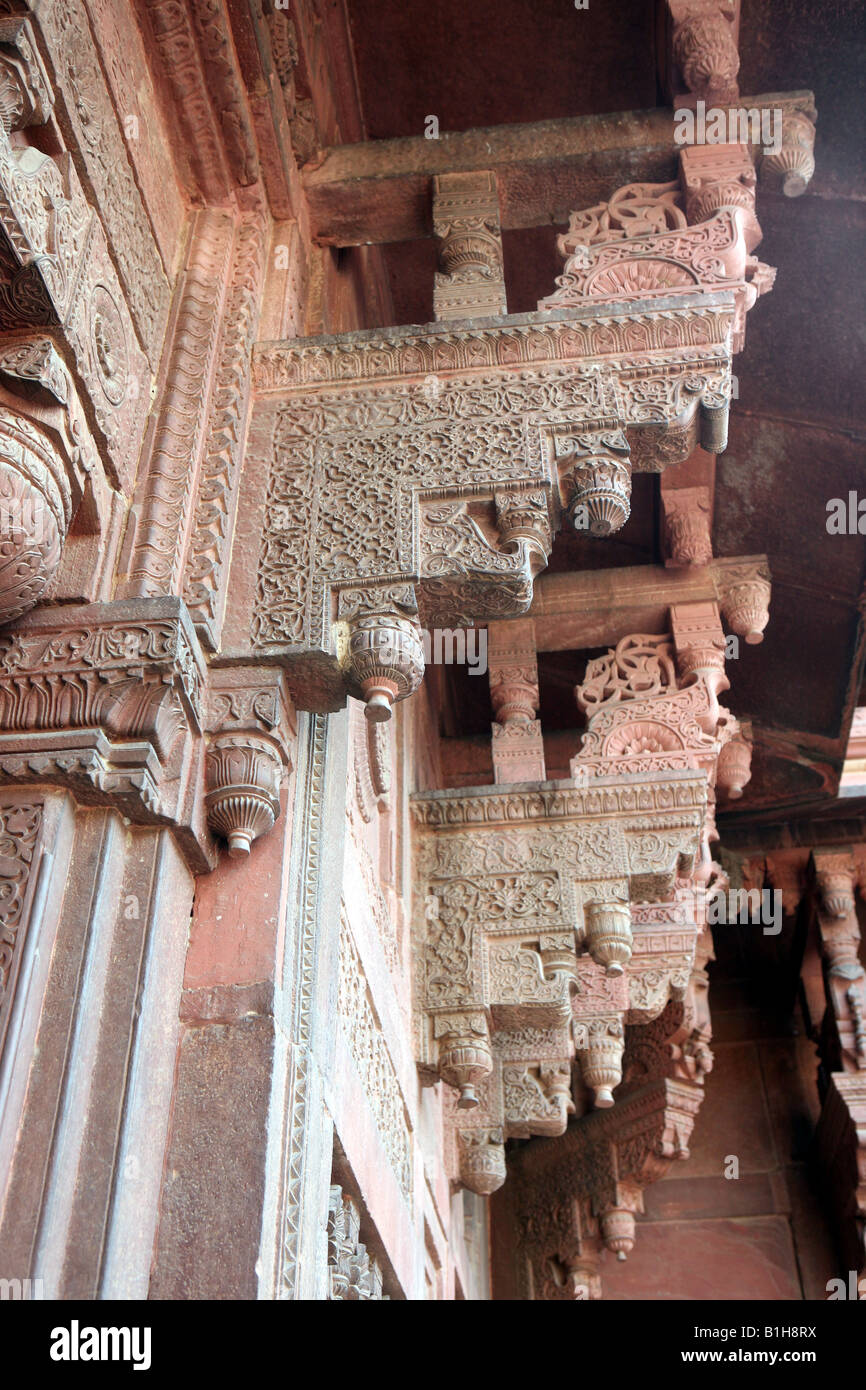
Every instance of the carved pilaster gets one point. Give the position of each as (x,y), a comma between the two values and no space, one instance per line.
(20,827)
(466,225)
(205,578)
(167,492)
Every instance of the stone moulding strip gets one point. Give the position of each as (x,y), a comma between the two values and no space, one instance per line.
(371,356)
(675,791)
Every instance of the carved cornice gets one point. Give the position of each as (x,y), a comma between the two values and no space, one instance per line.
(520,340)
(168,487)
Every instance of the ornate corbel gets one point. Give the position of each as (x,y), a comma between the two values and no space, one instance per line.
(464,1055)
(743,590)
(577,1195)
(595,482)
(699,643)
(600,1061)
(734,767)
(791,166)
(470,570)
(246,760)
(608,934)
(385,651)
(719,177)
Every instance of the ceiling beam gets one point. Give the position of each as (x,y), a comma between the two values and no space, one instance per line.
(380,190)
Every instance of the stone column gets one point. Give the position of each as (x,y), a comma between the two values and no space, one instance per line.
(841,1132)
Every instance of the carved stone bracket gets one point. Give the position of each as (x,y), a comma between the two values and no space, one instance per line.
(743,590)
(578,1195)
(647,713)
(791,167)
(247,760)
(638,246)
(687,520)
(518,747)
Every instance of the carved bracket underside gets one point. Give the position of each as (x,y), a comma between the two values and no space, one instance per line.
(398,461)
(530,958)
